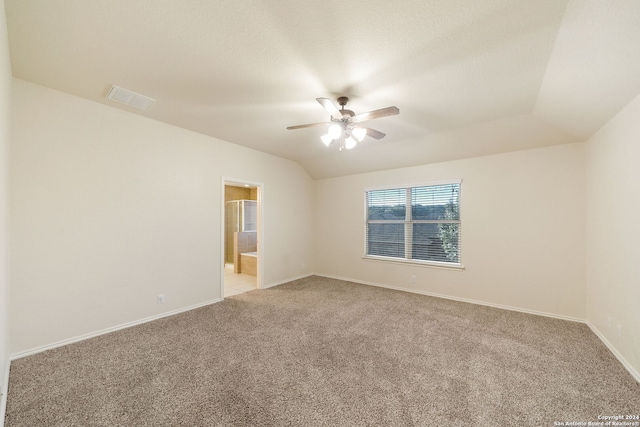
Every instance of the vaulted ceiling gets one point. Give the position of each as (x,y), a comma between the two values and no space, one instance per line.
(470,77)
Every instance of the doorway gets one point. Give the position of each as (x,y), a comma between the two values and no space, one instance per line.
(241,237)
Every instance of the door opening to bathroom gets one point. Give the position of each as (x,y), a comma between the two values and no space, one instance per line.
(241,237)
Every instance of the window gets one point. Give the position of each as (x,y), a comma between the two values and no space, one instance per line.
(414,224)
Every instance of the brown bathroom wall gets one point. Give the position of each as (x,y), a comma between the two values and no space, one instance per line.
(243,242)
(239,193)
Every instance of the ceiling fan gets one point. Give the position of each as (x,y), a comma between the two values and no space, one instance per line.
(345,124)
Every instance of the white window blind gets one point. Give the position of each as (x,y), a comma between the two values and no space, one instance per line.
(420,223)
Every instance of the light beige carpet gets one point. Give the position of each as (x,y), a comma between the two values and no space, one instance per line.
(322,352)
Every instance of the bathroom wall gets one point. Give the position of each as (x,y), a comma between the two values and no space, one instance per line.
(246,241)
(231,192)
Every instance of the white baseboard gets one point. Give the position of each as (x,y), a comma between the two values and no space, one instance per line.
(282,282)
(471,301)
(5,384)
(615,352)
(129,324)
(108,330)
(602,338)
(19,355)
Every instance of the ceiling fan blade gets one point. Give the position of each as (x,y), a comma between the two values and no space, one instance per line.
(331,108)
(383,112)
(310,125)
(375,133)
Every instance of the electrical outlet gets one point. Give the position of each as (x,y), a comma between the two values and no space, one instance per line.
(161,299)
(413,279)
(609,321)
(303,265)
(619,331)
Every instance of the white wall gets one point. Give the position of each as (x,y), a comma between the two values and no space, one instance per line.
(5,110)
(522,230)
(613,232)
(110,209)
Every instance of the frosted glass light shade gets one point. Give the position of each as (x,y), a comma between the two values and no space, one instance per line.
(349,143)
(359,133)
(335,130)
(326,139)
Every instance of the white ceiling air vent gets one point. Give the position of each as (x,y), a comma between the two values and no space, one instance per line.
(129,98)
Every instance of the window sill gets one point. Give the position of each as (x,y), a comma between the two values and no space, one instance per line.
(430,264)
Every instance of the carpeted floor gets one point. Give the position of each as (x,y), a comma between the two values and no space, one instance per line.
(323,352)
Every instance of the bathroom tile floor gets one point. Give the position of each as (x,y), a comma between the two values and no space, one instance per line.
(235,284)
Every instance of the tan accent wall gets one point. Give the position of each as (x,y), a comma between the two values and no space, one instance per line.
(231,192)
(246,241)
(248,264)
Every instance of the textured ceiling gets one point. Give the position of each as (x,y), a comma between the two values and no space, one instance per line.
(470,77)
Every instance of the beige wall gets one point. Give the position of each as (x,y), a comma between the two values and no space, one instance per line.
(522,230)
(613,232)
(5,113)
(110,209)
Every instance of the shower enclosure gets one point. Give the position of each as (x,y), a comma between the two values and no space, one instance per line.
(240,216)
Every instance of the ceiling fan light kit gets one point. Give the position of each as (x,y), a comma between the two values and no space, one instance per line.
(359,133)
(344,124)
(335,130)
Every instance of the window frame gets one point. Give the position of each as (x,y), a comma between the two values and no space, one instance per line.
(409,237)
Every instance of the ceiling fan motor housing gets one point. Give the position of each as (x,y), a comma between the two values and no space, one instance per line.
(346,114)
